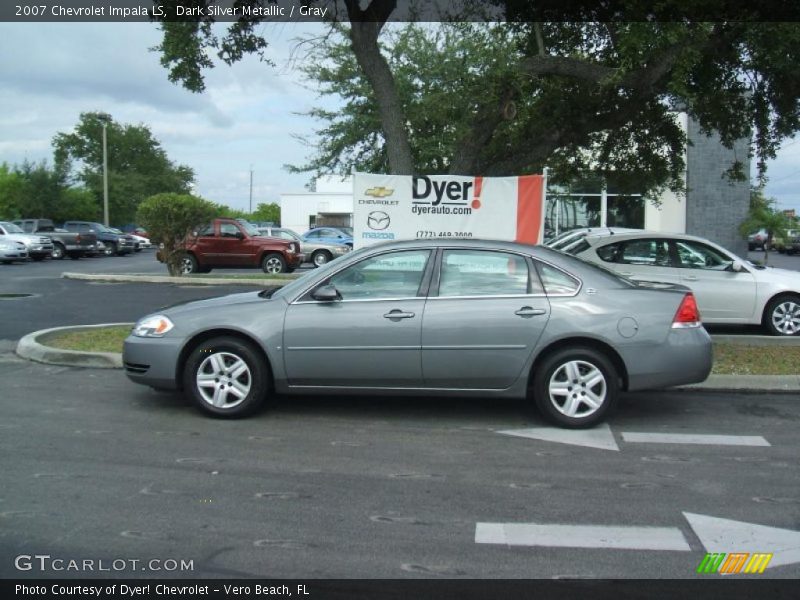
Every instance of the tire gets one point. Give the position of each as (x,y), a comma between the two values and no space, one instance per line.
(321,257)
(75,255)
(273,263)
(596,377)
(782,316)
(751,247)
(210,378)
(110,249)
(189,264)
(58,251)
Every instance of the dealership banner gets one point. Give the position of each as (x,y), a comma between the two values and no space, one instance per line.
(402,207)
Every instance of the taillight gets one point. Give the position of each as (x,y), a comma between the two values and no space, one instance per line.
(688,314)
(78,239)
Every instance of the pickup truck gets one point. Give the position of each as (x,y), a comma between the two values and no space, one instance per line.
(38,247)
(227,243)
(114,243)
(65,243)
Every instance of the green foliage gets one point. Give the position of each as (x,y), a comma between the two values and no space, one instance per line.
(170,219)
(763,214)
(266,212)
(11,193)
(138,167)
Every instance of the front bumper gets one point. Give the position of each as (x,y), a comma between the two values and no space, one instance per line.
(152,361)
(294,261)
(40,249)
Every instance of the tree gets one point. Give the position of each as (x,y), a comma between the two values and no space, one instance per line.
(590,92)
(170,219)
(11,193)
(138,167)
(763,214)
(270,213)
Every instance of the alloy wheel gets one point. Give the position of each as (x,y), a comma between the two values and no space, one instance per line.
(223,380)
(577,389)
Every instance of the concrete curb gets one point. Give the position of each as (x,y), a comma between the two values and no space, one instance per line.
(747,383)
(175,280)
(32,347)
(755,340)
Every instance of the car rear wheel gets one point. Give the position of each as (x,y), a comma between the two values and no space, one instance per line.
(58,251)
(576,387)
(321,257)
(226,377)
(189,265)
(273,263)
(782,316)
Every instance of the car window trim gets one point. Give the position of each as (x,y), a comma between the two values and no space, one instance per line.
(575,277)
(299,298)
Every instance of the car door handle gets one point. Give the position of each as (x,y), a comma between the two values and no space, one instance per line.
(398,314)
(691,278)
(527,311)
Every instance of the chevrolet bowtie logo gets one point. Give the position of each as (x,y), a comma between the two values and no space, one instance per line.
(379,192)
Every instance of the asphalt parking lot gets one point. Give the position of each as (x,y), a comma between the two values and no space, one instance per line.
(100,468)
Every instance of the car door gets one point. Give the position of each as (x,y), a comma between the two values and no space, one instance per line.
(482,320)
(642,259)
(723,295)
(370,337)
(233,249)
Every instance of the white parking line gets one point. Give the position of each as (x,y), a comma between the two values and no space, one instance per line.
(694,438)
(600,437)
(581,536)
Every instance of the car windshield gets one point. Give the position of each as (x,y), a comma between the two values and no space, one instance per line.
(347,230)
(601,268)
(100,228)
(10,227)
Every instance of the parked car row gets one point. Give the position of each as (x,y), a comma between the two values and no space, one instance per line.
(729,289)
(41,239)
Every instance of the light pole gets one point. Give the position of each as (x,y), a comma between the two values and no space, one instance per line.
(251,189)
(105,175)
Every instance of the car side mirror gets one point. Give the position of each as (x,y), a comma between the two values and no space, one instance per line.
(736,266)
(326,293)
(239,235)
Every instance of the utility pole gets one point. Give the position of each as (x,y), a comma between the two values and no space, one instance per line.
(105,175)
(251,189)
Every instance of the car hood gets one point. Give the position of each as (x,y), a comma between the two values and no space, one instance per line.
(229,300)
(768,274)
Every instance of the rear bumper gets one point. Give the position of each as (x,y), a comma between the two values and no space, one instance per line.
(686,357)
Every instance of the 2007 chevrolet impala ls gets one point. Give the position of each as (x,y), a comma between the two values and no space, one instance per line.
(434,317)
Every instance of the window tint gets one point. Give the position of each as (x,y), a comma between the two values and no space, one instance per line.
(313,234)
(228,230)
(207,231)
(555,281)
(654,253)
(694,255)
(482,273)
(390,275)
(609,252)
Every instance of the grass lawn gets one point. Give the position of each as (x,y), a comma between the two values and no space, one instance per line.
(100,339)
(732,359)
(729,359)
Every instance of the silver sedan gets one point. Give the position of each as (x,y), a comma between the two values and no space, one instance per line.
(435,318)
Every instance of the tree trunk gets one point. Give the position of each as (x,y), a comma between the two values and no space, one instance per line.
(364,38)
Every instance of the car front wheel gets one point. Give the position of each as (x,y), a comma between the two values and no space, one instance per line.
(782,316)
(273,263)
(321,257)
(226,377)
(58,251)
(576,387)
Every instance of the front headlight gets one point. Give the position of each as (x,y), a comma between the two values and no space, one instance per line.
(152,326)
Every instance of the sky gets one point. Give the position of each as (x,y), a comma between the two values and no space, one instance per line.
(246,119)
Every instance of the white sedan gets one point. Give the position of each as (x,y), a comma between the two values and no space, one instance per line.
(729,289)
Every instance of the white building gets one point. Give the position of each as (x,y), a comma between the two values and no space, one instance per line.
(331,204)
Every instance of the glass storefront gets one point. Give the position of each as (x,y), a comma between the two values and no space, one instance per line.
(581,206)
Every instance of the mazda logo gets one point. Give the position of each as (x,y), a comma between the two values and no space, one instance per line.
(378,220)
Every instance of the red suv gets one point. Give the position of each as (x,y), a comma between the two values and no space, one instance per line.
(232,244)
